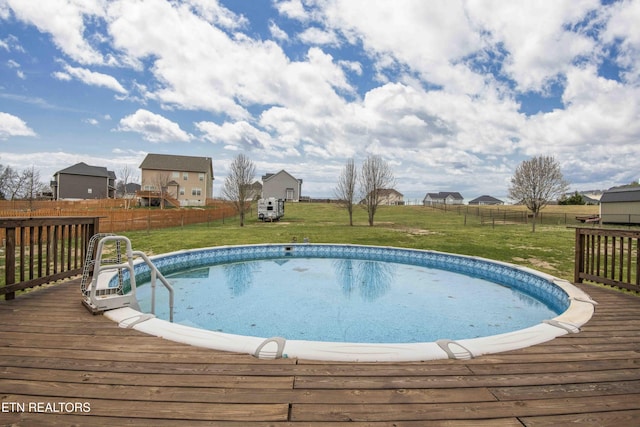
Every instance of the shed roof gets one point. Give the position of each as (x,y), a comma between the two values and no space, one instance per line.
(621,194)
(171,162)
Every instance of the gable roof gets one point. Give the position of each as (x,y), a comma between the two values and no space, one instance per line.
(621,194)
(388,192)
(444,194)
(177,163)
(87,170)
(485,199)
(268,176)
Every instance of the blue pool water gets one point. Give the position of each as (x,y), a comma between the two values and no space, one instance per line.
(369,296)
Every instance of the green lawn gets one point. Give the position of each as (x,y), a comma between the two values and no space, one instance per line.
(549,249)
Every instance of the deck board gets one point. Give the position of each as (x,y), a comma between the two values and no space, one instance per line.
(53,350)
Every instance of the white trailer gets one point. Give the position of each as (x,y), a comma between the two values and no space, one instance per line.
(270,209)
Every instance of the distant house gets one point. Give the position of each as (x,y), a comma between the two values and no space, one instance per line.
(127,191)
(254,191)
(443,198)
(389,196)
(486,200)
(181,180)
(620,205)
(82,181)
(281,185)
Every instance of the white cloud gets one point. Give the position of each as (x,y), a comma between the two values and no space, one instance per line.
(64,20)
(11,125)
(213,12)
(622,27)
(537,37)
(153,127)
(91,78)
(292,9)
(277,32)
(317,36)
(242,136)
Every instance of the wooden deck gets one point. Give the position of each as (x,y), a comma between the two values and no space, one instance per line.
(80,369)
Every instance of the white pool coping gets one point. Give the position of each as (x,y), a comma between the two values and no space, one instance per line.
(580,311)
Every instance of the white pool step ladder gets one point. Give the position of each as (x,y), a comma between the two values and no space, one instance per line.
(113,257)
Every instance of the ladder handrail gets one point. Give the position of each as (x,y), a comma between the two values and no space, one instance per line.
(98,267)
(155,272)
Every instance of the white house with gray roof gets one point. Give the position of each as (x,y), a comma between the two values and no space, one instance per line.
(443,198)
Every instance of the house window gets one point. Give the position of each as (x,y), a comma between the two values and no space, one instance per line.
(149,188)
(185,176)
(89,190)
(181,191)
(201,177)
(289,193)
(175,175)
(196,191)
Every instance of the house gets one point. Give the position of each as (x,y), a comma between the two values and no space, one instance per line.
(486,201)
(389,196)
(443,198)
(180,180)
(254,191)
(620,205)
(281,185)
(82,181)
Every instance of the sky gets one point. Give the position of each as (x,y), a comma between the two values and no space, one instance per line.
(453,95)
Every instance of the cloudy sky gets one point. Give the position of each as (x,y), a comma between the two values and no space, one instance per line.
(452,94)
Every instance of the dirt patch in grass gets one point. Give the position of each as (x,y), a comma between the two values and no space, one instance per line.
(409,230)
(538,263)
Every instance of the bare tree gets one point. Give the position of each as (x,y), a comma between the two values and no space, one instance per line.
(345,191)
(536,182)
(11,183)
(375,176)
(125,177)
(32,186)
(237,185)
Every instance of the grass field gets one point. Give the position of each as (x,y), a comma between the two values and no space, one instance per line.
(549,249)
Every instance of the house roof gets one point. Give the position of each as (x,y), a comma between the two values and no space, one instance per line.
(87,170)
(621,194)
(268,176)
(388,192)
(485,199)
(444,194)
(171,162)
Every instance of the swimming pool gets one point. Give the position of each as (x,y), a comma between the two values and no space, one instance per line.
(575,306)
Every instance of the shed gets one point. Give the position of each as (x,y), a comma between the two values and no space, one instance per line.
(620,205)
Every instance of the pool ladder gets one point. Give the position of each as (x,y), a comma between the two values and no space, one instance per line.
(98,292)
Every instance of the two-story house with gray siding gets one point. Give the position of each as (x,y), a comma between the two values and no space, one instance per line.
(281,185)
(82,181)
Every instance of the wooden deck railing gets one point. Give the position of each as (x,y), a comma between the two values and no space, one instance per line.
(42,250)
(608,256)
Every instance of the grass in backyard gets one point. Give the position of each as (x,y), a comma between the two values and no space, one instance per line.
(549,249)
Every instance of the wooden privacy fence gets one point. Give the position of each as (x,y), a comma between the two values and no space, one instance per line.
(43,250)
(608,256)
